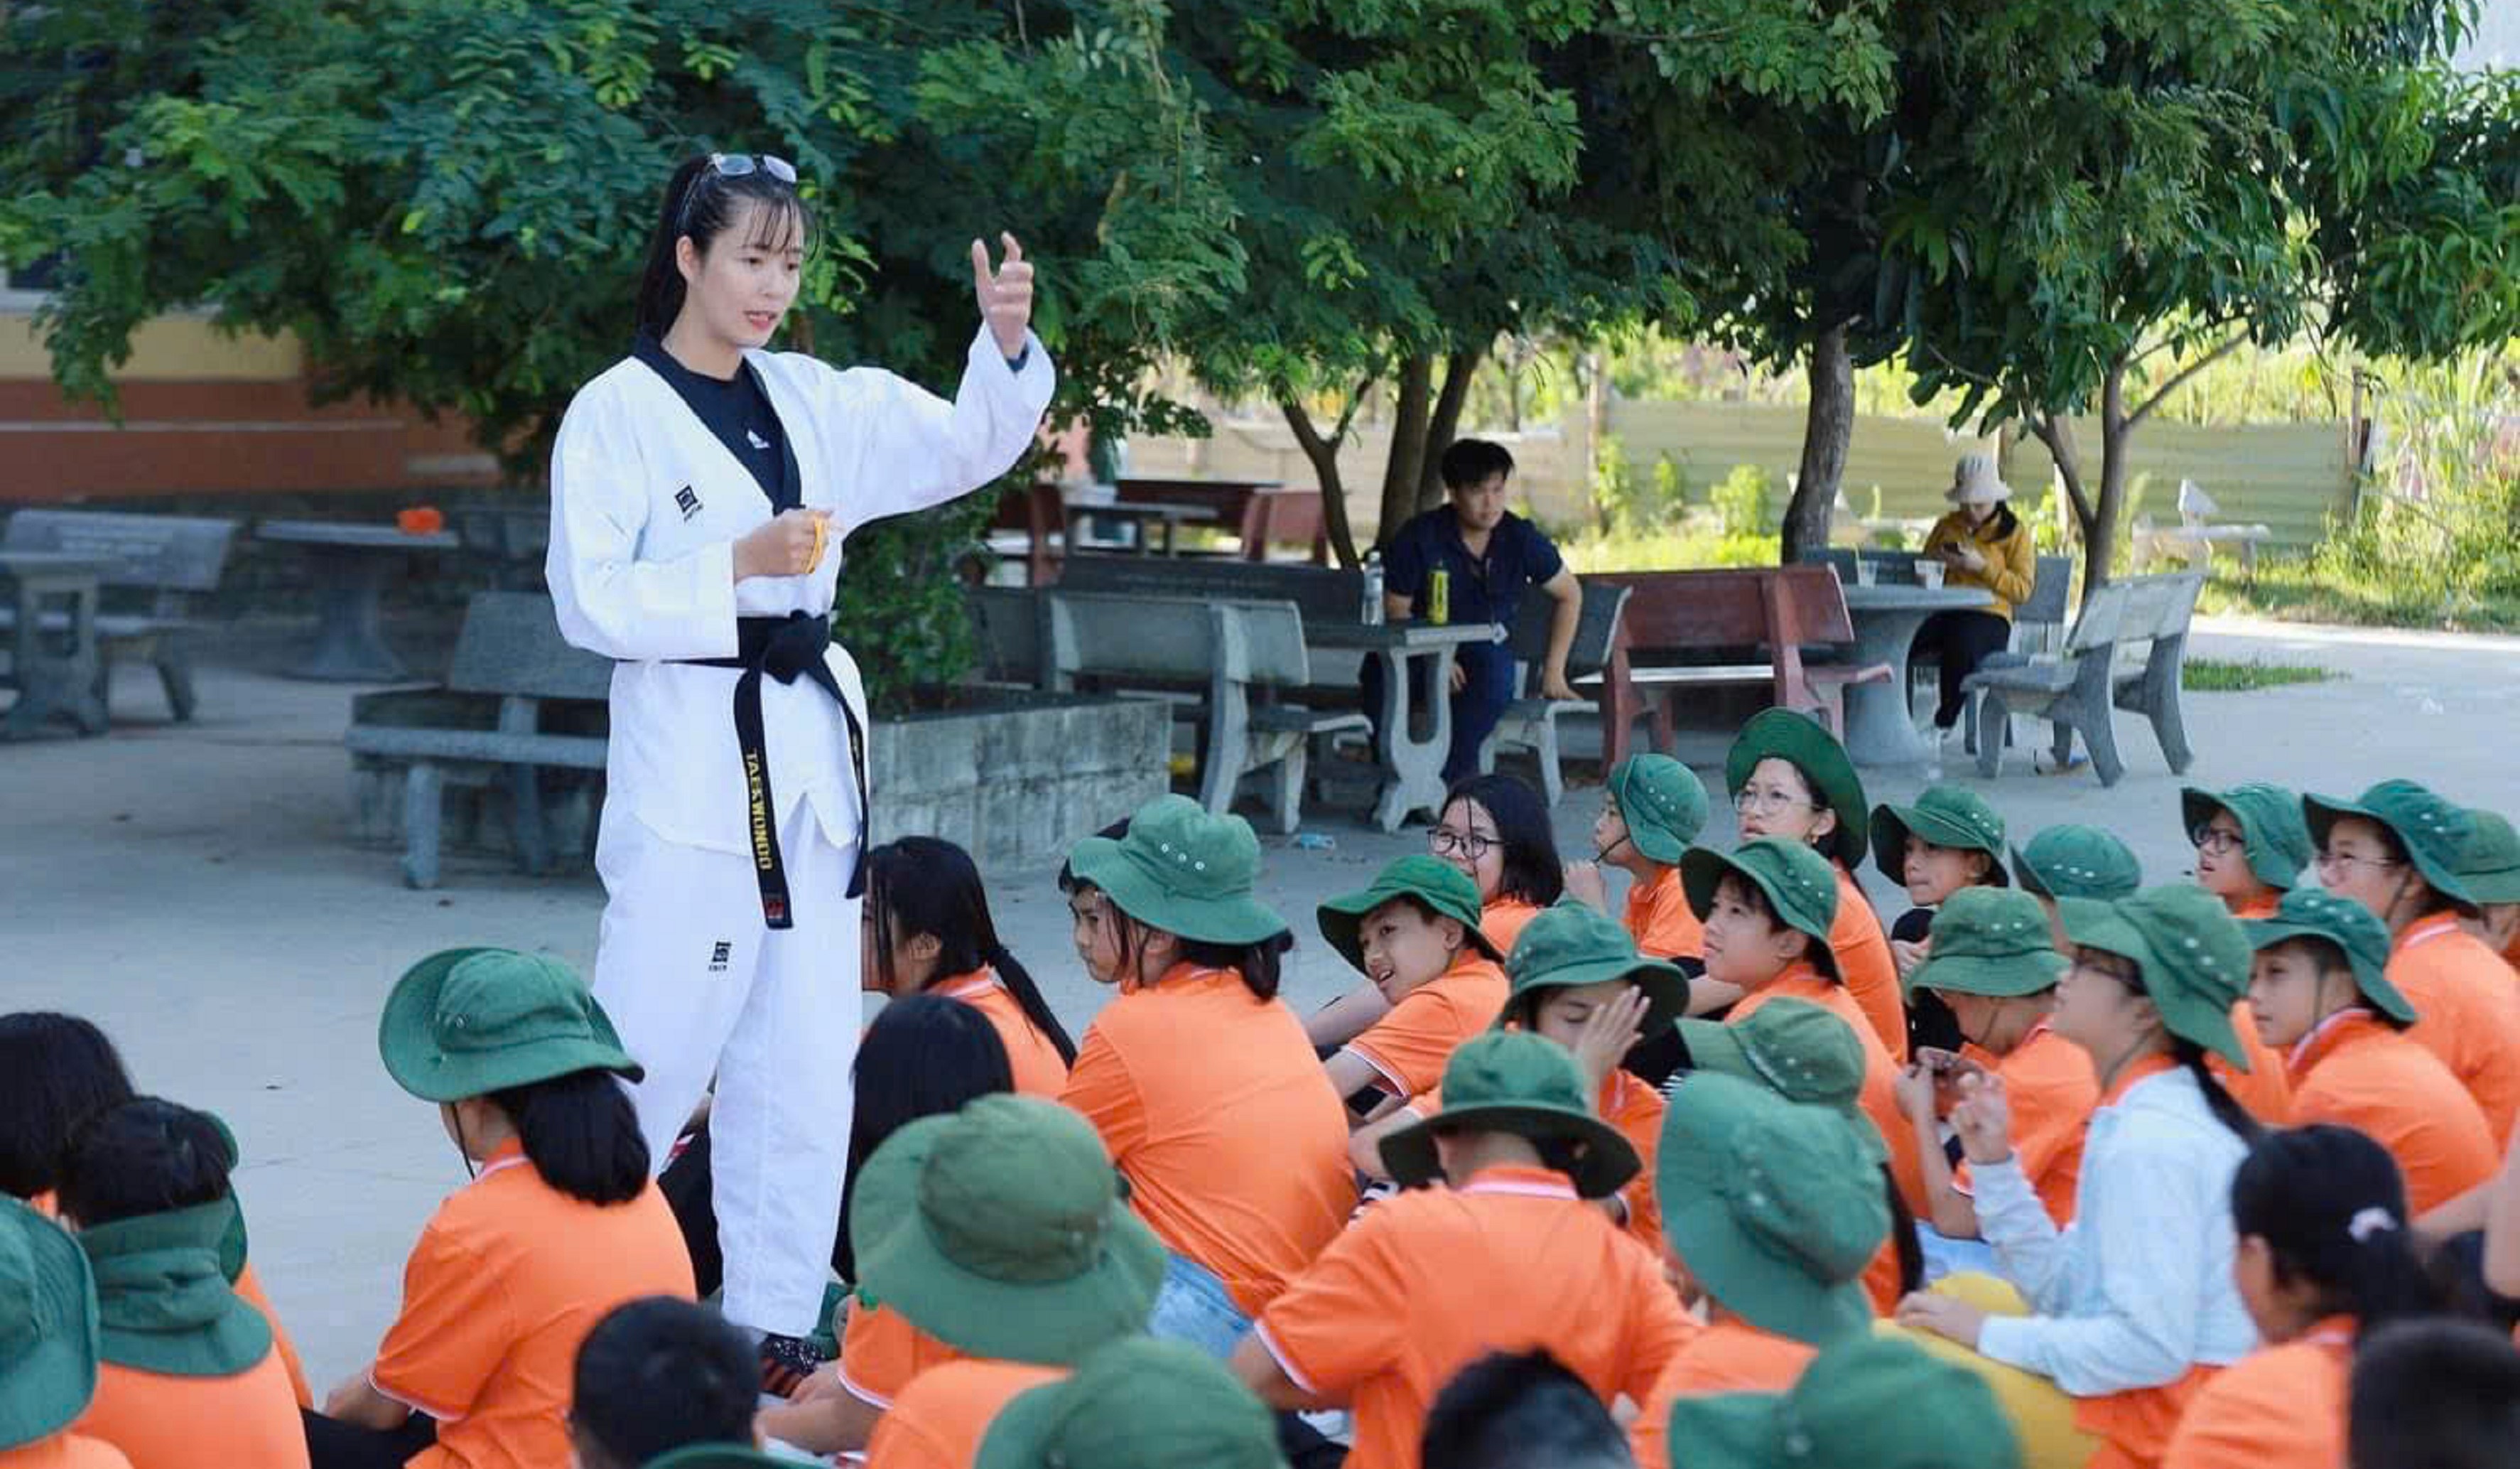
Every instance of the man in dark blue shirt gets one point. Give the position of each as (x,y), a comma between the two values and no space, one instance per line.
(1493,557)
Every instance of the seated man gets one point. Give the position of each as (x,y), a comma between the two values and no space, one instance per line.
(1490,558)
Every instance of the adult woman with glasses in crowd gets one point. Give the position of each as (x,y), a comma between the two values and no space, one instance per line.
(700,489)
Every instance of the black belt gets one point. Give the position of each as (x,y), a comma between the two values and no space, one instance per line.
(785,648)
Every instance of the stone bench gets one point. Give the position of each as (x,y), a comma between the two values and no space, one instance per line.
(2077,689)
(161,566)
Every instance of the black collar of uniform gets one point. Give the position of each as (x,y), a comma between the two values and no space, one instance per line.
(649,348)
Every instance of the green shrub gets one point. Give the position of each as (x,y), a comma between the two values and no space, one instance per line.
(1741,503)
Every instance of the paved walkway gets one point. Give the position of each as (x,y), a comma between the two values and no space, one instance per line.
(190,887)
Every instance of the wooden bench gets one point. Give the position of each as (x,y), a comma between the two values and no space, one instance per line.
(1758,618)
(1530,721)
(1240,652)
(518,700)
(160,568)
(2078,689)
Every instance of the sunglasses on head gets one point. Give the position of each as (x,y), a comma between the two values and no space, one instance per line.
(735,165)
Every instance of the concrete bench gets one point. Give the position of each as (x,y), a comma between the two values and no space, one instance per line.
(2196,534)
(517,701)
(159,568)
(1530,721)
(1770,613)
(2095,674)
(1240,655)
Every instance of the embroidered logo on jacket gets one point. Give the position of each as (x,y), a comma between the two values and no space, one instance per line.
(755,439)
(719,954)
(686,502)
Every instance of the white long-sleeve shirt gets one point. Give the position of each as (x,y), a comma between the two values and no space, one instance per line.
(647,505)
(2138,1289)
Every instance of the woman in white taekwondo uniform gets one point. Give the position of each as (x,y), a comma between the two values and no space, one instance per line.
(700,492)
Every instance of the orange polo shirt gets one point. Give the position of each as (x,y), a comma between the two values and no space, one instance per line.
(2052,1090)
(1427,1281)
(2279,1405)
(941,1419)
(1660,919)
(2356,1072)
(2264,1090)
(1879,1098)
(1729,1356)
(1409,1045)
(1863,953)
(249,1286)
(505,1283)
(161,1421)
(63,1450)
(882,1352)
(1636,1110)
(1216,1108)
(1502,920)
(1038,1069)
(2467,1008)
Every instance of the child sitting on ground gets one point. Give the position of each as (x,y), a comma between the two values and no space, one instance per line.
(2251,844)
(928,932)
(2489,868)
(2435,1395)
(560,1225)
(1137,1404)
(2075,860)
(2322,996)
(1949,839)
(1414,934)
(1000,1231)
(190,1376)
(1508,1410)
(48,1347)
(1871,1401)
(1769,1223)
(1652,808)
(1423,1283)
(659,1374)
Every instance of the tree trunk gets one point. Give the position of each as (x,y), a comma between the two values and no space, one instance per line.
(1324,454)
(2100,532)
(1596,423)
(1401,472)
(1446,423)
(1827,427)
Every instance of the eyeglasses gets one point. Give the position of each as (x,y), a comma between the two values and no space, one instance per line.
(1443,842)
(2110,967)
(2216,839)
(735,165)
(2357,859)
(1748,801)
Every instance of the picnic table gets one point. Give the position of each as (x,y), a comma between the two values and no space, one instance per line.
(1411,759)
(1880,730)
(1141,516)
(53,680)
(351,565)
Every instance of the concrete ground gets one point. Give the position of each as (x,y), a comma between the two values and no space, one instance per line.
(190,887)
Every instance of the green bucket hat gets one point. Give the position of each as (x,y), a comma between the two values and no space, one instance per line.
(2273,834)
(1571,945)
(1799,741)
(2489,861)
(1662,802)
(47,1327)
(1527,1084)
(1439,885)
(2077,861)
(1184,871)
(163,1302)
(1138,1404)
(716,1456)
(2195,957)
(2355,931)
(469,1022)
(1001,1231)
(1944,816)
(1875,1401)
(1992,941)
(1794,1048)
(2433,831)
(1775,1209)
(1798,882)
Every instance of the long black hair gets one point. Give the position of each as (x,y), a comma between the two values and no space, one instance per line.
(2332,1208)
(926,885)
(582,1133)
(54,1072)
(2227,1107)
(924,1056)
(1532,869)
(1261,964)
(143,1155)
(704,204)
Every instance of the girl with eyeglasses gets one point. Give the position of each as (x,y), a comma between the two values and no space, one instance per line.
(2251,845)
(2396,850)
(700,491)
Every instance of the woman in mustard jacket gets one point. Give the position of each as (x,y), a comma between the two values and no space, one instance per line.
(1981,543)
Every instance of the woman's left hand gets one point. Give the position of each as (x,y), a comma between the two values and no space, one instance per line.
(1945,1316)
(1006,294)
(1969,558)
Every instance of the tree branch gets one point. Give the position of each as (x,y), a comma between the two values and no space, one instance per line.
(2184,335)
(2051,432)
(2180,376)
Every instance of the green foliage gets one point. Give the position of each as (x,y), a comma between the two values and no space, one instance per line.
(1694,540)
(2298,588)
(1741,503)
(1626,506)
(2208,675)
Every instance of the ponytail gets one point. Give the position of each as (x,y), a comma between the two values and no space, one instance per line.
(703,204)
(1020,984)
(1903,1236)
(2333,1210)
(926,885)
(2226,1108)
(582,1133)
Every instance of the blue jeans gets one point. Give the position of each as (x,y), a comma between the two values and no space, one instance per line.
(1487,687)
(1193,1306)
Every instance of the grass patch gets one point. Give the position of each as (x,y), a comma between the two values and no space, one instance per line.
(2287,590)
(2213,676)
